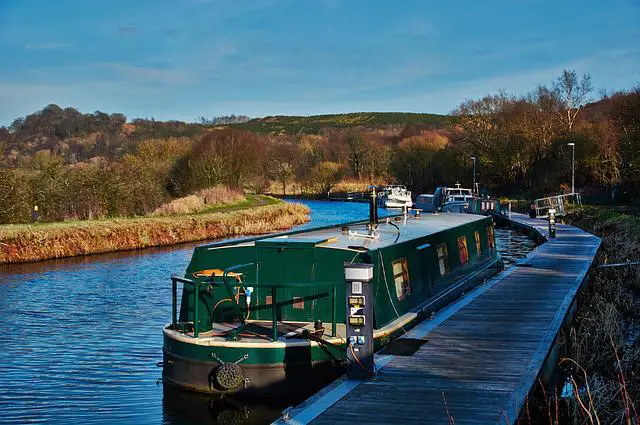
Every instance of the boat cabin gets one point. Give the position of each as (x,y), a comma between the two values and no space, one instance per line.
(415,259)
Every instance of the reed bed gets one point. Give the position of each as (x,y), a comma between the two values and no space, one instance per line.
(213,196)
(600,350)
(24,243)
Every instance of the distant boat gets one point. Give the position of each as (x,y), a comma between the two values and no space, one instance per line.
(424,202)
(453,199)
(395,196)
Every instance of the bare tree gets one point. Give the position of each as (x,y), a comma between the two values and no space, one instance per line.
(282,163)
(572,92)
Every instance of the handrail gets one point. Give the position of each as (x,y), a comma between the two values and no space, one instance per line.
(542,205)
(273,286)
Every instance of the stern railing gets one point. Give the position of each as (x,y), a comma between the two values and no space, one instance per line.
(224,282)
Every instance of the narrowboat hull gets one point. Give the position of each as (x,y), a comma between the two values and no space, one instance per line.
(418,269)
(276,378)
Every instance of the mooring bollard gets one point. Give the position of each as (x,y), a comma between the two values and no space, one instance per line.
(552,223)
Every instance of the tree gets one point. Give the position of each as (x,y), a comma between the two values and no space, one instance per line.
(571,92)
(625,115)
(324,176)
(281,165)
(490,133)
(357,154)
(221,157)
(412,162)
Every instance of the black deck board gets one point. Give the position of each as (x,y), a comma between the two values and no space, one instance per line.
(485,358)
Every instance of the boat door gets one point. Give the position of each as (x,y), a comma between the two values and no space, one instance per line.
(289,262)
(426,260)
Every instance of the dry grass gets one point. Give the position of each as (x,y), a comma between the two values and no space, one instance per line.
(22,243)
(220,195)
(602,346)
(345,186)
(213,196)
(354,186)
(185,205)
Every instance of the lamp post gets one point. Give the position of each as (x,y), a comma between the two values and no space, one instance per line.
(573,166)
(473,158)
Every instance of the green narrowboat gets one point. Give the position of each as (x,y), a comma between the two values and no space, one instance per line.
(265,315)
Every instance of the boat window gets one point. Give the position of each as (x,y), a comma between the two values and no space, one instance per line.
(458,198)
(491,237)
(298,303)
(443,259)
(401,278)
(476,235)
(462,248)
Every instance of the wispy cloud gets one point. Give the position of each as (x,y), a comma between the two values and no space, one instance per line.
(416,27)
(47,45)
(127,31)
(145,74)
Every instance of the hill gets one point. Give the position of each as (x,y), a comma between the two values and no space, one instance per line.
(282,124)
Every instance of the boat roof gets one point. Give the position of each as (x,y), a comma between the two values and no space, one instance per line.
(354,236)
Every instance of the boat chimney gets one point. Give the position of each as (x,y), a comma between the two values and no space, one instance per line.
(373,209)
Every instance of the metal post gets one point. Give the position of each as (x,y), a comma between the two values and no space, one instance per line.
(174,304)
(474,174)
(552,223)
(573,167)
(274,312)
(197,301)
(334,311)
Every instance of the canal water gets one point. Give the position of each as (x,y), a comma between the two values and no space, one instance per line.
(80,338)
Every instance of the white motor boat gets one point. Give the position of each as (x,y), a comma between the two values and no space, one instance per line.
(456,199)
(395,196)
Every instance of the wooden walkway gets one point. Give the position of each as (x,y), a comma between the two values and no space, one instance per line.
(483,354)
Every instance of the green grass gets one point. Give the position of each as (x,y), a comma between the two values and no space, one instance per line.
(313,124)
(251,201)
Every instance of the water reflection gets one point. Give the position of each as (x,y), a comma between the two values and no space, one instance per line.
(82,336)
(184,408)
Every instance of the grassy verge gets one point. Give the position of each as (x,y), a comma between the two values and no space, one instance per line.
(256,215)
(600,351)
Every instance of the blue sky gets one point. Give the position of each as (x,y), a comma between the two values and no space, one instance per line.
(173,59)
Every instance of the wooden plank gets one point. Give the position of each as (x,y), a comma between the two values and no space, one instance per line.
(484,358)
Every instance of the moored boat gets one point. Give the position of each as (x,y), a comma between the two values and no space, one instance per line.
(455,199)
(266,315)
(424,202)
(395,196)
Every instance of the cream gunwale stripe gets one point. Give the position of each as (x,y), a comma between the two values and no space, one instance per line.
(210,342)
(232,246)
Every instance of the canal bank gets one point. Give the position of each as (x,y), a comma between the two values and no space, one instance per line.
(26,243)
